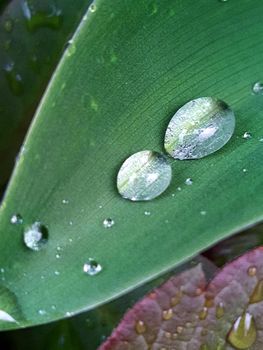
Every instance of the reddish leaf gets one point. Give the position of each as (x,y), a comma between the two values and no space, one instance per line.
(186,313)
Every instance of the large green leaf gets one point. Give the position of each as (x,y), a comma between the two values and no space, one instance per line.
(130,66)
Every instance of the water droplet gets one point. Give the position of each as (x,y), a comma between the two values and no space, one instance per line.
(258,88)
(57,273)
(4,316)
(8,25)
(16,219)
(244,170)
(140,327)
(189,181)
(243,332)
(35,19)
(199,128)
(179,329)
(167,314)
(203,313)
(92,8)
(220,310)
(252,271)
(257,295)
(36,236)
(42,312)
(58,256)
(65,201)
(144,176)
(92,267)
(71,48)
(247,135)
(203,212)
(108,223)
(14,79)
(147,213)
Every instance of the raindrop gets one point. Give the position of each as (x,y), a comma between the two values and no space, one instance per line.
(16,219)
(36,236)
(144,176)
(92,267)
(140,327)
(199,128)
(189,181)
(243,332)
(258,88)
(257,295)
(247,135)
(108,223)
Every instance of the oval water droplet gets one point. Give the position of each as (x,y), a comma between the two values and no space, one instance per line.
(257,295)
(140,327)
(108,223)
(243,333)
(92,267)
(16,219)
(258,88)
(199,128)
(36,236)
(144,176)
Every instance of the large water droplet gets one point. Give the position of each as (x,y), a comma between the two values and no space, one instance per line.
(144,176)
(199,128)
(36,236)
(92,267)
(16,219)
(243,332)
(39,18)
(257,295)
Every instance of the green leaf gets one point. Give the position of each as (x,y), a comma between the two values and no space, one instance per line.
(130,66)
(27,61)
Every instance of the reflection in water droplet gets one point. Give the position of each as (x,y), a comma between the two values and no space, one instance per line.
(257,295)
(36,19)
(243,332)
(247,135)
(144,176)
(108,223)
(8,25)
(36,236)
(140,327)
(14,79)
(92,267)
(16,219)
(258,88)
(189,181)
(199,128)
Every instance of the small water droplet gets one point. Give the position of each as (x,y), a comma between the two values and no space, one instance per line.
(16,219)
(92,267)
(144,176)
(199,128)
(168,314)
(176,299)
(257,295)
(42,312)
(252,271)
(58,256)
(258,88)
(247,135)
(179,189)
(179,329)
(92,8)
(220,310)
(189,181)
(36,236)
(244,170)
(57,273)
(65,201)
(108,223)
(203,313)
(147,213)
(203,212)
(71,48)
(8,25)
(53,307)
(243,332)
(140,327)
(14,79)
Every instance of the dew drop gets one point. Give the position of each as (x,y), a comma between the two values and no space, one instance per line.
(243,332)
(92,8)
(258,88)
(203,212)
(92,267)
(36,236)
(65,201)
(42,312)
(71,48)
(257,295)
(108,223)
(247,135)
(16,219)
(144,176)
(140,327)
(220,311)
(167,314)
(147,213)
(189,181)
(252,271)
(199,128)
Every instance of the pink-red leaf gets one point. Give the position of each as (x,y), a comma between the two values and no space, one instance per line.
(187,313)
